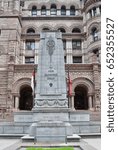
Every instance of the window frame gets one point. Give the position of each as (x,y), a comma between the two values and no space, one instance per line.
(30,45)
(76,44)
(34,11)
(75,61)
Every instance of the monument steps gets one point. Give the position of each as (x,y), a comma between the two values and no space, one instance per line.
(72,138)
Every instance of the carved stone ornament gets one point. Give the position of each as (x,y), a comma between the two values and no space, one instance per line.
(50,46)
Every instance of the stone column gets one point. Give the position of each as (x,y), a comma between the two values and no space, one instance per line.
(76,12)
(68,12)
(58,12)
(16,6)
(38,12)
(48,12)
(2,6)
(72,102)
(98,11)
(88,15)
(92,13)
(16,102)
(90,102)
(69,51)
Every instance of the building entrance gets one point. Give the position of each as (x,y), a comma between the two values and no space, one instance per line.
(81,98)
(26,98)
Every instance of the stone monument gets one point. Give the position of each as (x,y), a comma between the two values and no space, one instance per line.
(51,85)
(50,112)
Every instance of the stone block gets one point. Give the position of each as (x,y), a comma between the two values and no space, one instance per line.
(79,117)
(1,129)
(13,130)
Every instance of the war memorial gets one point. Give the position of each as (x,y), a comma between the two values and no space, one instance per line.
(59,41)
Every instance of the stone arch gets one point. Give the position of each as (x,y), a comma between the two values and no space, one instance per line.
(24,30)
(22,93)
(43,4)
(72,4)
(62,26)
(76,26)
(33,4)
(83,82)
(93,25)
(45,26)
(19,83)
(62,4)
(83,93)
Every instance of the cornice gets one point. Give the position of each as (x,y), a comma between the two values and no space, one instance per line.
(52,18)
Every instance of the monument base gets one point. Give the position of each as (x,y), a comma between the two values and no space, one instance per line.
(51,125)
(51,132)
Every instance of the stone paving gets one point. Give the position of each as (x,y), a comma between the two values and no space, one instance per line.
(87,144)
(6,143)
(95,142)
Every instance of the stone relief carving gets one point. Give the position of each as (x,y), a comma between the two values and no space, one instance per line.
(50,48)
(97,100)
(52,103)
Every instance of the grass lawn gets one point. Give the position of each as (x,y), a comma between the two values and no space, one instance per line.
(56,148)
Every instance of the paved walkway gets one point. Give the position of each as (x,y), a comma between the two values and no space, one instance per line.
(11,144)
(94,142)
(5,143)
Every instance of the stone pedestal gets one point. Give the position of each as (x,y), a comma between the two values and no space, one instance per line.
(51,132)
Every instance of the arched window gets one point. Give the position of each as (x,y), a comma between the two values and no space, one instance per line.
(34,11)
(30,31)
(62,30)
(43,10)
(72,10)
(45,29)
(63,10)
(53,10)
(76,30)
(94,12)
(95,34)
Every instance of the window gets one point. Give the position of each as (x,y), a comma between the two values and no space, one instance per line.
(95,34)
(30,30)
(77,59)
(34,11)
(30,45)
(63,10)
(76,30)
(22,3)
(65,59)
(72,10)
(29,60)
(43,10)
(94,12)
(45,29)
(62,30)
(90,12)
(64,44)
(76,44)
(100,8)
(53,10)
